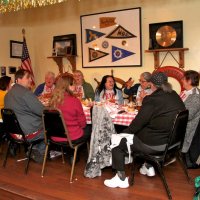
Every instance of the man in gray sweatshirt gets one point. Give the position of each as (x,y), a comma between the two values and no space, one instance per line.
(28,110)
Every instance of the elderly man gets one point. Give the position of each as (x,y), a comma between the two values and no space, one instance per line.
(48,86)
(150,129)
(139,90)
(83,89)
(28,110)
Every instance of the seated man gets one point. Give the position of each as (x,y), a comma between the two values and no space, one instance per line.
(150,128)
(28,110)
(48,86)
(141,89)
(83,89)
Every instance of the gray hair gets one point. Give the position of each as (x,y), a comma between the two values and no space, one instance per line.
(166,87)
(147,76)
(50,74)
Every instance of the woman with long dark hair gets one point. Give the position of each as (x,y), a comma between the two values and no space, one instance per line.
(108,91)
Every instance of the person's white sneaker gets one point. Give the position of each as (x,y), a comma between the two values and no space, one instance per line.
(116,182)
(149,171)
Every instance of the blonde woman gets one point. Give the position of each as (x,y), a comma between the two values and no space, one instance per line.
(71,108)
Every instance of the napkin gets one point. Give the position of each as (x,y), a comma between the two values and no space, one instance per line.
(112,109)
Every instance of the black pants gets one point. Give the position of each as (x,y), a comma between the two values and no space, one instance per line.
(86,134)
(119,152)
(2,132)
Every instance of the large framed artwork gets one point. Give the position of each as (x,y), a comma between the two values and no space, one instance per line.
(112,39)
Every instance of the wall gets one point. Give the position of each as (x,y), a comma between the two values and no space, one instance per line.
(42,24)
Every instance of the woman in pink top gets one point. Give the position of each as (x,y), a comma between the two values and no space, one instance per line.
(71,109)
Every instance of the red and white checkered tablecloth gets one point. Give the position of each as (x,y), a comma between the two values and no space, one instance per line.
(120,119)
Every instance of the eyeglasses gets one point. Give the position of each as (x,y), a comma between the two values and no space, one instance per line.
(141,81)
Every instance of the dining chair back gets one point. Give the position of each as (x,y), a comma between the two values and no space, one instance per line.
(15,135)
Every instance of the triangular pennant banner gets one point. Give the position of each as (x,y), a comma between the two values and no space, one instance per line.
(96,54)
(118,53)
(120,33)
(92,35)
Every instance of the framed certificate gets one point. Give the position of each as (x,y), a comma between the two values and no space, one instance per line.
(16,49)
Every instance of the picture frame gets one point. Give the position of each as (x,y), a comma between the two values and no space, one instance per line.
(112,39)
(16,49)
(3,70)
(12,69)
(166,35)
(64,45)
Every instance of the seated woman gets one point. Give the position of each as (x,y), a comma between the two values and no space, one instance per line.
(5,85)
(108,90)
(191,99)
(83,89)
(139,90)
(71,109)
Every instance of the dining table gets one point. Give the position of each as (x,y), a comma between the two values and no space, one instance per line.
(119,117)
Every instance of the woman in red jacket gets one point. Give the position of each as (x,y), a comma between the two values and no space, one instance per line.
(71,108)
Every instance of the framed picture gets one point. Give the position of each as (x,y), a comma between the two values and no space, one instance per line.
(12,69)
(3,70)
(16,49)
(112,39)
(166,35)
(64,45)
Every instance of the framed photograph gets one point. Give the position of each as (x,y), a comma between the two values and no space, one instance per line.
(64,45)
(16,49)
(12,69)
(3,70)
(112,39)
(166,35)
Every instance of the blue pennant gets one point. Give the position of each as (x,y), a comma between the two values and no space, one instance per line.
(92,35)
(118,53)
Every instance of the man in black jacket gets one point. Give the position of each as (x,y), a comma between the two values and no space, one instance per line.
(150,128)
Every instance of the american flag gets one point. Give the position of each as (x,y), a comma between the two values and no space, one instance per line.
(26,61)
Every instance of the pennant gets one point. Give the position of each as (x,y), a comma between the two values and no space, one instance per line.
(118,53)
(120,33)
(96,54)
(92,35)
(105,22)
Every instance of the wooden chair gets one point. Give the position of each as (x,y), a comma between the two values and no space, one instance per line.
(173,146)
(54,126)
(12,128)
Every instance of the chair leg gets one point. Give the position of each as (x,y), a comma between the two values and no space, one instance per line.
(73,164)
(180,157)
(132,178)
(44,161)
(28,160)
(63,158)
(6,155)
(88,147)
(164,181)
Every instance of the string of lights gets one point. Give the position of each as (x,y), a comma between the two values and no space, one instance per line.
(16,5)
